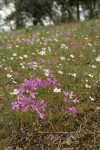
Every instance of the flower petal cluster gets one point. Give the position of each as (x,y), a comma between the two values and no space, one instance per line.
(26,95)
(73,111)
(69,101)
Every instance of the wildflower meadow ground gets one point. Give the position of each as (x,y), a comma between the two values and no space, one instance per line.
(50,87)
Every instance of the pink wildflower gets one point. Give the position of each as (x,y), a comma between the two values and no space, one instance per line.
(73,111)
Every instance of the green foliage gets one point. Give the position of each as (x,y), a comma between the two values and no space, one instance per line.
(39,9)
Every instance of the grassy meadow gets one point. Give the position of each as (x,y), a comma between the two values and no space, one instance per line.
(50,87)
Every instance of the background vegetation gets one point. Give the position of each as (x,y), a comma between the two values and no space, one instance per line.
(55,10)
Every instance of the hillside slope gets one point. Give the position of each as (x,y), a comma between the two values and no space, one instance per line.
(50,87)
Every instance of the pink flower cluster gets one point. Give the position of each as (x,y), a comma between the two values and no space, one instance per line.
(27,41)
(26,97)
(68,99)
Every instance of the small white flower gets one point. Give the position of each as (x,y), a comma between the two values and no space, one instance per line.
(89,44)
(86,38)
(17,46)
(9,75)
(23,67)
(46,72)
(62,58)
(56,90)
(72,56)
(25,56)
(56,40)
(64,46)
(73,74)
(15,92)
(44,48)
(97,36)
(14,82)
(14,54)
(21,64)
(42,52)
(81,55)
(87,86)
(86,80)
(20,57)
(98,81)
(98,58)
(34,66)
(60,72)
(90,75)
(3,60)
(33,53)
(93,50)
(91,98)
(93,66)
(11,58)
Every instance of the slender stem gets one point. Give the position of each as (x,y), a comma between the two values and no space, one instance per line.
(5,92)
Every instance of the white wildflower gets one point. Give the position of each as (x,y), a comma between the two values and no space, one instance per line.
(91,98)
(15,92)
(89,44)
(14,82)
(72,56)
(33,53)
(14,54)
(87,86)
(20,57)
(11,58)
(93,66)
(3,60)
(23,67)
(73,74)
(17,46)
(46,72)
(9,75)
(60,72)
(86,80)
(56,90)
(98,58)
(90,75)
(93,50)
(25,56)
(86,38)
(62,58)
(42,53)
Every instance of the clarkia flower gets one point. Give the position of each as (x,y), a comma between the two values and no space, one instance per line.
(68,96)
(32,95)
(26,95)
(15,105)
(73,111)
(75,100)
(68,99)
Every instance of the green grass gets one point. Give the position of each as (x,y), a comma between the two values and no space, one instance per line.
(76,43)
